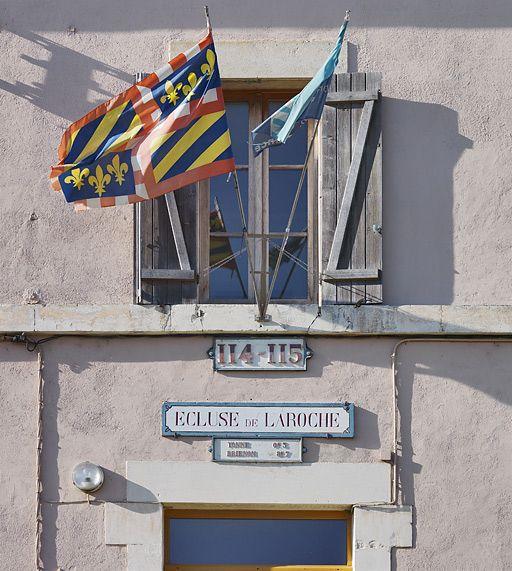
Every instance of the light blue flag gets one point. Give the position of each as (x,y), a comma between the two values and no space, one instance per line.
(308,104)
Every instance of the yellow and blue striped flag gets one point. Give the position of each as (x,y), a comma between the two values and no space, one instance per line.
(165,132)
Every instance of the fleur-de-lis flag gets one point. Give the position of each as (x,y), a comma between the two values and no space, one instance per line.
(167,131)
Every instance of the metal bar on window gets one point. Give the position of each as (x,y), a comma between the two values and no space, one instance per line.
(138,262)
(167,274)
(286,167)
(227,235)
(256,235)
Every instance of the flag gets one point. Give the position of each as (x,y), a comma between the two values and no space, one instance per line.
(165,132)
(308,104)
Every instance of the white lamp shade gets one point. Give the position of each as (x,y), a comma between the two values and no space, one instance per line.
(88,477)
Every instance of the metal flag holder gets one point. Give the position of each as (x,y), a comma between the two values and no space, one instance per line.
(245,237)
(262,316)
(263,304)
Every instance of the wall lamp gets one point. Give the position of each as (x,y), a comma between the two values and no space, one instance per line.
(88,477)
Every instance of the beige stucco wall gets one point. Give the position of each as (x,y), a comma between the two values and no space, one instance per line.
(456,461)
(447,174)
(446,111)
(102,403)
(18,399)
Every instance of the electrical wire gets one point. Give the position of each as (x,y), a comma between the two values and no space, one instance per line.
(39,449)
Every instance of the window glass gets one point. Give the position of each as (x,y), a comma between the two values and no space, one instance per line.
(292,278)
(224,210)
(283,185)
(257,542)
(229,276)
(238,121)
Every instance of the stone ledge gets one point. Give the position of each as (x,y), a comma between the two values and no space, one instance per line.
(242,485)
(210,319)
(376,531)
(132,523)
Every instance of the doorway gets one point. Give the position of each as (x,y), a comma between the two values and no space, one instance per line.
(257,540)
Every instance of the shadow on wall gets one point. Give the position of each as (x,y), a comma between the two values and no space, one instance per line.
(456,363)
(114,490)
(50,477)
(422,146)
(63,94)
(452,418)
(119,15)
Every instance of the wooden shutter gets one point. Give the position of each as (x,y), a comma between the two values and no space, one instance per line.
(351,190)
(166,247)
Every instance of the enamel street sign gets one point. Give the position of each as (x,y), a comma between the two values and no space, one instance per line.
(259,420)
(257,450)
(260,353)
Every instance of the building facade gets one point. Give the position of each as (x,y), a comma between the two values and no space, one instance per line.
(405,305)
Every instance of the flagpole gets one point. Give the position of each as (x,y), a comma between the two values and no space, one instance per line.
(290,220)
(239,200)
(208,23)
(246,239)
(239,276)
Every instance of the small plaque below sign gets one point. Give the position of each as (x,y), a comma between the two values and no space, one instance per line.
(260,353)
(257,450)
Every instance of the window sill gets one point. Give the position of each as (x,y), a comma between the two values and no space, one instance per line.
(286,319)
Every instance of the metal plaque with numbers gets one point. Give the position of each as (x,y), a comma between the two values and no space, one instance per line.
(257,450)
(260,353)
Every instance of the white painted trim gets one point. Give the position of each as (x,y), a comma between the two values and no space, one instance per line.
(132,523)
(376,530)
(140,528)
(331,485)
(208,319)
(139,523)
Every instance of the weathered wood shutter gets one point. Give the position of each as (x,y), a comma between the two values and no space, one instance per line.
(166,247)
(351,190)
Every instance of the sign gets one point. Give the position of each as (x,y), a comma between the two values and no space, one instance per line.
(258,419)
(260,353)
(257,450)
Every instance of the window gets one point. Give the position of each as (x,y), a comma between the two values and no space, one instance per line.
(197,540)
(268,185)
(189,243)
